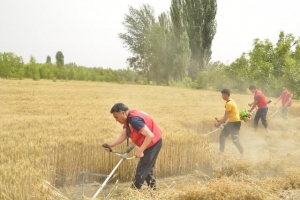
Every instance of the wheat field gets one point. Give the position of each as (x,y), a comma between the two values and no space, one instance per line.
(52,131)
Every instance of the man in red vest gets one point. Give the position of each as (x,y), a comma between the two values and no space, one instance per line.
(145,134)
(261,102)
(286,101)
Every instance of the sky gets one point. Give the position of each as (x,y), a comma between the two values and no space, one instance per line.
(86,31)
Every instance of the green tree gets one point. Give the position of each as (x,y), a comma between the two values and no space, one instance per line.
(182,58)
(261,63)
(197,17)
(292,76)
(71,71)
(291,70)
(11,66)
(281,52)
(157,55)
(238,74)
(169,57)
(201,27)
(296,54)
(127,75)
(59,59)
(213,77)
(176,13)
(48,59)
(46,71)
(34,67)
(138,24)
(159,50)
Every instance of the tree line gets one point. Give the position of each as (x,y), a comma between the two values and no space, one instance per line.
(13,67)
(175,49)
(269,66)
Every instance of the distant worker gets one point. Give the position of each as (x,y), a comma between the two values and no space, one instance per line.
(286,102)
(261,102)
(233,125)
(144,133)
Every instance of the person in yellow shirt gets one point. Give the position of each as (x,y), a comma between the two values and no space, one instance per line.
(233,125)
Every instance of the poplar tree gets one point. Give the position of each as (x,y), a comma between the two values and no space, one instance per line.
(59,59)
(48,59)
(197,17)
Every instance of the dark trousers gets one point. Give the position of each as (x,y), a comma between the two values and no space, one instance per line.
(261,114)
(233,129)
(144,170)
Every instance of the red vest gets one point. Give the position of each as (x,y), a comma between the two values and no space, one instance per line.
(136,137)
(262,101)
(285,99)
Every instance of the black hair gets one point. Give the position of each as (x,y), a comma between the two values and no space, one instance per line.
(118,107)
(226,91)
(252,87)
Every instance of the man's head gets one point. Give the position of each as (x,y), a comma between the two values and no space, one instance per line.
(225,94)
(284,88)
(119,111)
(252,88)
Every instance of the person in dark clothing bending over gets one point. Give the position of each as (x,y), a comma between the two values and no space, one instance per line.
(261,102)
(233,125)
(144,133)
